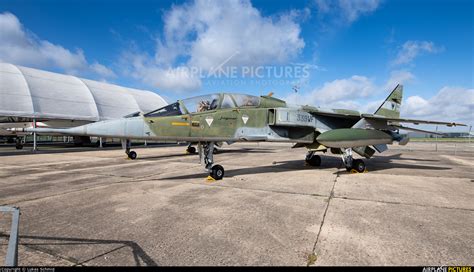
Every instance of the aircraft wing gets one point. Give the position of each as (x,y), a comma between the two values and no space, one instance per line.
(417,130)
(404,120)
(332,113)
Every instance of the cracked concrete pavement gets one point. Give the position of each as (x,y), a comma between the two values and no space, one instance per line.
(413,207)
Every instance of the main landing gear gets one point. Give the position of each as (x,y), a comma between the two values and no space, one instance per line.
(206,152)
(126,144)
(352,165)
(191,149)
(312,159)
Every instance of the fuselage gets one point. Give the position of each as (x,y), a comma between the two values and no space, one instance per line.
(223,117)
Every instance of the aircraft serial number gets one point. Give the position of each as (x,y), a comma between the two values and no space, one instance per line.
(304,118)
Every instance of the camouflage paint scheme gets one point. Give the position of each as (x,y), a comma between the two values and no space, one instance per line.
(270,119)
(236,117)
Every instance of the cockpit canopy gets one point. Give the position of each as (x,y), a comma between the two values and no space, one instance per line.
(206,103)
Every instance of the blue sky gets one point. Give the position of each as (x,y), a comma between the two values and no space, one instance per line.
(354,51)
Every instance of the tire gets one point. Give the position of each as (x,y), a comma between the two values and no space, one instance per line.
(132,155)
(217,172)
(19,146)
(314,160)
(358,165)
(191,150)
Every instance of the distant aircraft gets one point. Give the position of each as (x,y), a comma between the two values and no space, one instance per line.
(226,117)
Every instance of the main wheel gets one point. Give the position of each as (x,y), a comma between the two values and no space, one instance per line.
(358,165)
(19,146)
(313,160)
(132,155)
(191,150)
(217,172)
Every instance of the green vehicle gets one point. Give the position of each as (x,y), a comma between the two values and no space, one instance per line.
(211,119)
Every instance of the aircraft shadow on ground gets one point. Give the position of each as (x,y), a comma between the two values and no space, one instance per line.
(56,149)
(138,253)
(399,157)
(221,151)
(373,165)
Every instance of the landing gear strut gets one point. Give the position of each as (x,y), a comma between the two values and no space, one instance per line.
(126,144)
(358,165)
(312,159)
(206,152)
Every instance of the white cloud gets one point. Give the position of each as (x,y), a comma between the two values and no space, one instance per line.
(348,92)
(102,70)
(177,79)
(204,34)
(339,89)
(208,32)
(397,77)
(449,104)
(346,11)
(411,49)
(339,93)
(19,46)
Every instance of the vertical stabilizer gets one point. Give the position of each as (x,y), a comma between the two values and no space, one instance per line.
(391,105)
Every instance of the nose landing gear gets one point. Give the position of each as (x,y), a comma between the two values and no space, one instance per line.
(206,152)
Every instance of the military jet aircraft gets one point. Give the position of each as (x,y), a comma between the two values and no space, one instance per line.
(227,117)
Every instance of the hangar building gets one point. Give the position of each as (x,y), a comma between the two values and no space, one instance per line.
(59,100)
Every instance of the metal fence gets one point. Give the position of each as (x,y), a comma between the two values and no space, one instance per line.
(12,250)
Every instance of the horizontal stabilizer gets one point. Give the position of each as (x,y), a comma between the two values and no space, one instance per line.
(413,121)
(417,130)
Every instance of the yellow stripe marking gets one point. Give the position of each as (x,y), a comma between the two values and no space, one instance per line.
(179,123)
